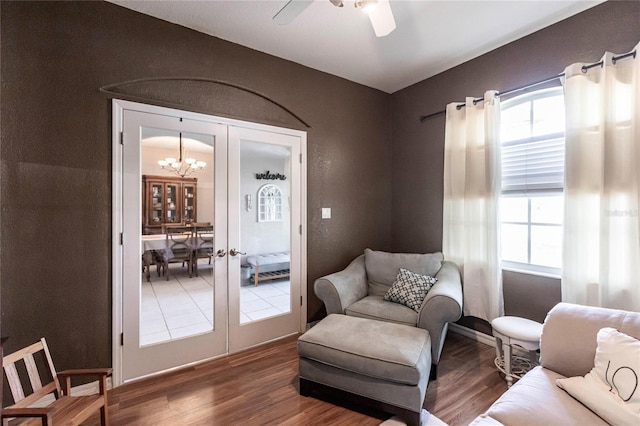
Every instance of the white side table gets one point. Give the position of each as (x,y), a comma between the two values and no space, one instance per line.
(522,332)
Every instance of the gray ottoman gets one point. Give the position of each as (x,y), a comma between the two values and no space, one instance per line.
(385,364)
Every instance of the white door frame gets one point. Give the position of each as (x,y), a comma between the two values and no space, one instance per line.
(118,107)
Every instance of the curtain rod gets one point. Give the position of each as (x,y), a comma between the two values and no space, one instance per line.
(585,68)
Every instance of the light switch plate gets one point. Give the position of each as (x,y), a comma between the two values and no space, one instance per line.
(326,212)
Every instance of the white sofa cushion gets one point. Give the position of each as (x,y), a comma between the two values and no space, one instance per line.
(374,307)
(568,342)
(536,400)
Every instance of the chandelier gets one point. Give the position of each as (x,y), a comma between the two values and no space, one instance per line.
(184,165)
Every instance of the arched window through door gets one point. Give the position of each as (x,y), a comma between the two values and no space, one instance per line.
(269,204)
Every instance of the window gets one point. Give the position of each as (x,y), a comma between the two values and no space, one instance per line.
(269,204)
(532,135)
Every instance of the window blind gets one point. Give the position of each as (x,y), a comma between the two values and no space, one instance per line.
(533,165)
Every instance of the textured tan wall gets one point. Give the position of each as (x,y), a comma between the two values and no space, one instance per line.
(418,148)
(370,159)
(56,156)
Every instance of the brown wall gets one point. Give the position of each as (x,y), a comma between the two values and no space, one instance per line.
(418,148)
(55,232)
(55,152)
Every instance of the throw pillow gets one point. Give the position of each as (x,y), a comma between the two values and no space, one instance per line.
(410,289)
(596,398)
(611,389)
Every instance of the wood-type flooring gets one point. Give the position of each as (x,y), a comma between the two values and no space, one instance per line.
(260,387)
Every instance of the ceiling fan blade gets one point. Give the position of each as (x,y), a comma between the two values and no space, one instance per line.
(290,11)
(381,18)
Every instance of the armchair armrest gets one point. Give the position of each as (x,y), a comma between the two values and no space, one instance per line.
(87,372)
(442,305)
(43,412)
(64,377)
(341,289)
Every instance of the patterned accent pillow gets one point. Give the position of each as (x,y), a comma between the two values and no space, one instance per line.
(410,289)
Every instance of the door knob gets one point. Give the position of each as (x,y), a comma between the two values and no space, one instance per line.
(234,252)
(221,253)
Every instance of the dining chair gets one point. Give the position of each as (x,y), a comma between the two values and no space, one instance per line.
(178,248)
(202,244)
(200,224)
(149,258)
(28,389)
(167,226)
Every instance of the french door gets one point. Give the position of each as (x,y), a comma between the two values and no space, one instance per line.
(263,216)
(201,206)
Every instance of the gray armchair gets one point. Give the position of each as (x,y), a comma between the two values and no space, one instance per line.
(358,290)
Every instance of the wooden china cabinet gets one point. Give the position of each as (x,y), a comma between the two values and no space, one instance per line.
(167,200)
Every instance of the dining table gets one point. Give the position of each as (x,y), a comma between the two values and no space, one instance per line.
(158,243)
(149,244)
(153,242)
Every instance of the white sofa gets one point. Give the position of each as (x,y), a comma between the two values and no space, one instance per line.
(567,349)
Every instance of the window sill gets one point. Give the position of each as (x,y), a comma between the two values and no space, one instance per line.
(530,272)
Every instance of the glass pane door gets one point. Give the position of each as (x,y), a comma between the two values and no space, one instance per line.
(265,231)
(177,284)
(264,284)
(174,295)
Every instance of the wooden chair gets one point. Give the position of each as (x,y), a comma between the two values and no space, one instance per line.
(202,244)
(172,226)
(65,409)
(199,224)
(179,248)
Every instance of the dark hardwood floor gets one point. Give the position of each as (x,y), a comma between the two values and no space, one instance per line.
(260,387)
(468,382)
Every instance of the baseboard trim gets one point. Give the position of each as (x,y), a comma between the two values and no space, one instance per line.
(483,338)
(473,334)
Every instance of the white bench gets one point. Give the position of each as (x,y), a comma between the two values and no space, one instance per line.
(258,260)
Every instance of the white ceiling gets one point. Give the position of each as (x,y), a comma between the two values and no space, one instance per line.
(431,36)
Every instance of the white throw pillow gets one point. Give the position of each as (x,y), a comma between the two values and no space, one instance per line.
(617,365)
(410,289)
(611,389)
(598,399)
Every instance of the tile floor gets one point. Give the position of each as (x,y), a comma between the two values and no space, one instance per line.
(183,306)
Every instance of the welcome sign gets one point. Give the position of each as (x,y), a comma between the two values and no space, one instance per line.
(269,176)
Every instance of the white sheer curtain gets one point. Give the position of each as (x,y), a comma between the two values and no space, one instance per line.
(471,199)
(601,252)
